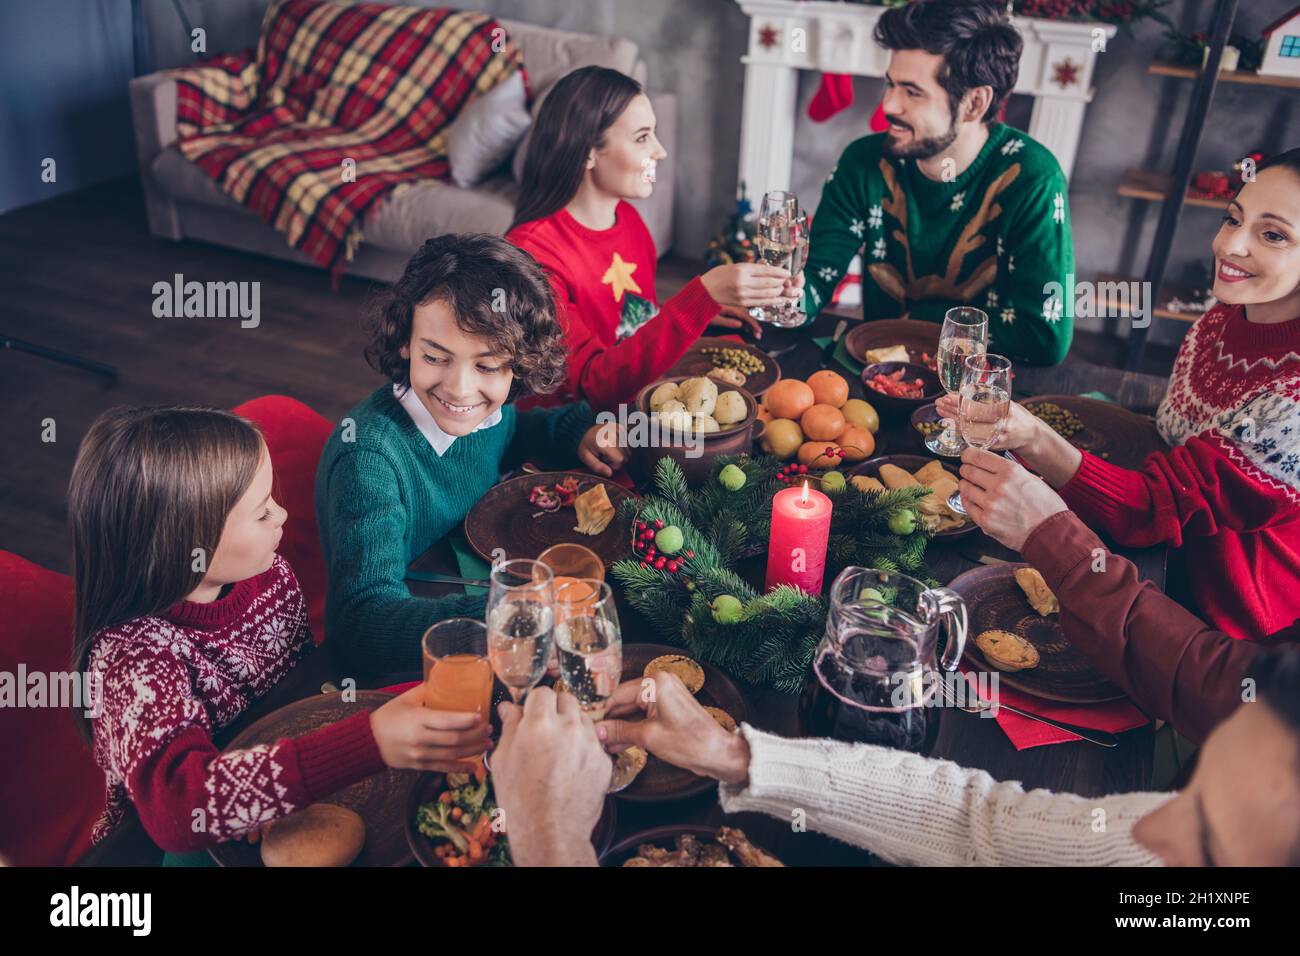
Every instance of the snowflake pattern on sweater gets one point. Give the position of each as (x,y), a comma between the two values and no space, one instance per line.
(162,679)
(1248,405)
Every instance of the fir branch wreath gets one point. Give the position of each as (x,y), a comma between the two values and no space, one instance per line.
(764,639)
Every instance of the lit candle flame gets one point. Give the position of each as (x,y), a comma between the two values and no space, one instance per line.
(804,498)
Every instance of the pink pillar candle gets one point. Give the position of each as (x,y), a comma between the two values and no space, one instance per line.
(796,550)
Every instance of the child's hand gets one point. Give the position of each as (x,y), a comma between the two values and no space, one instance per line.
(600,450)
(410,736)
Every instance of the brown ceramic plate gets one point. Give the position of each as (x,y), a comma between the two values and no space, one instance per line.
(379,800)
(995,601)
(503,519)
(659,781)
(912,464)
(1110,431)
(431,784)
(920,338)
(665,837)
(695,362)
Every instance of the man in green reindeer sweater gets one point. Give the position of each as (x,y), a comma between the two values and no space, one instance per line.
(949,206)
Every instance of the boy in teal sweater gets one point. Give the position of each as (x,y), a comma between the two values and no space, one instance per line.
(469,325)
(954,208)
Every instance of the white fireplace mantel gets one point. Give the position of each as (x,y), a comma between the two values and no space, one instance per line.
(786,36)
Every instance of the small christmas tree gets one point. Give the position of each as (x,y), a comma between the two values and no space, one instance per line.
(735,241)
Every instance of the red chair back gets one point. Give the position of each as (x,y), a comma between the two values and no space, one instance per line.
(51,790)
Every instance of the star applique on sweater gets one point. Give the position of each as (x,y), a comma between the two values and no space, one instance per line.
(619,277)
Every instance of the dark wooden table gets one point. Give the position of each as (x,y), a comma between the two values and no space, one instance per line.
(968,739)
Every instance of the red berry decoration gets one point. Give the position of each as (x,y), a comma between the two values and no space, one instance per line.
(690,554)
(672,567)
(803,469)
(645,563)
(660,562)
(659,525)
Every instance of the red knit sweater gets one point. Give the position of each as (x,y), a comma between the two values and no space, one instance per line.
(169,682)
(1228,492)
(618,338)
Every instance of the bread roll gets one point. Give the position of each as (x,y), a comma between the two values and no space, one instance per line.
(319,835)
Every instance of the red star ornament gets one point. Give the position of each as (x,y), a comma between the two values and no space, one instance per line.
(1066,73)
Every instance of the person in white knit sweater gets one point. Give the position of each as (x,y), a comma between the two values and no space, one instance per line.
(1241,807)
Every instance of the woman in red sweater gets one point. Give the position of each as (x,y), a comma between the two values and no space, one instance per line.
(1227,494)
(593,148)
(186,616)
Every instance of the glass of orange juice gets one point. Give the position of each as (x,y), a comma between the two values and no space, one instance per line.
(457,672)
(572,561)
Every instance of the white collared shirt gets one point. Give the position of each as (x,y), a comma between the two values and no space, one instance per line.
(438,439)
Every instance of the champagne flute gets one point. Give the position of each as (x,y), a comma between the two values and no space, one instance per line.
(782,240)
(521,623)
(590,643)
(985,406)
(965,333)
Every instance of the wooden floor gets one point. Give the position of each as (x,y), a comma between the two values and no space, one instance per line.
(77,274)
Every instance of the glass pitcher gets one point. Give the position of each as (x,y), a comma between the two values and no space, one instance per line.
(874,674)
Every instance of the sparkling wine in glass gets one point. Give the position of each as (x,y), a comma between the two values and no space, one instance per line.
(589,642)
(965,333)
(782,241)
(521,623)
(985,406)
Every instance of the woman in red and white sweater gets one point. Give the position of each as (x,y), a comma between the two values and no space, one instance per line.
(186,616)
(593,148)
(1227,494)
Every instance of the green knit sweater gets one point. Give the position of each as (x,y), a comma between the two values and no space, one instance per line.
(993,237)
(383,496)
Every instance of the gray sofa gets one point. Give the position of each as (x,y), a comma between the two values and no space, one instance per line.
(185,203)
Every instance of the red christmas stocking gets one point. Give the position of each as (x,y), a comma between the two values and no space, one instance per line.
(834,94)
(878,122)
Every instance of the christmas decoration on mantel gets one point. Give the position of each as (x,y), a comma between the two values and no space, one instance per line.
(836,90)
(687,543)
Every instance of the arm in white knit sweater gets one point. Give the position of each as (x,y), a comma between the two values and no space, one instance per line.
(919,811)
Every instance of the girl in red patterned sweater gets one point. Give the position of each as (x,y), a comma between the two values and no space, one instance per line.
(592,149)
(1227,494)
(186,616)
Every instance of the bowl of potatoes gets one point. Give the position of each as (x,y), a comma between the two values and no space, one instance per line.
(693,421)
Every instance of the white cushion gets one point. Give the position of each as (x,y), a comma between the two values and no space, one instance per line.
(487,131)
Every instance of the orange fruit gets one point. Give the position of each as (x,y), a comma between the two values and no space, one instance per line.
(858,443)
(829,388)
(789,398)
(822,423)
(764,415)
(813,454)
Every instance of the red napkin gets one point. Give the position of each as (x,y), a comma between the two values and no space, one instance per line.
(1115,717)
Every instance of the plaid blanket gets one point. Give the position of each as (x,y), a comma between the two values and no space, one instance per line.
(342,105)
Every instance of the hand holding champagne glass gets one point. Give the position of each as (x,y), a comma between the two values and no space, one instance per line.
(782,241)
(965,333)
(590,643)
(985,405)
(521,623)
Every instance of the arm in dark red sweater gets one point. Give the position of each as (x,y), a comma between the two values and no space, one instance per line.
(606,375)
(1193,490)
(190,796)
(1171,664)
